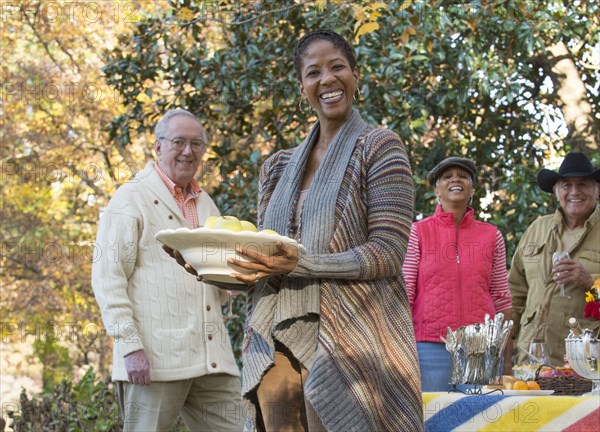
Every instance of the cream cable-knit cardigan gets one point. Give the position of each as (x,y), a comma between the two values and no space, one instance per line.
(147,300)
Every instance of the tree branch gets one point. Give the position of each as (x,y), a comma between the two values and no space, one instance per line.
(246,21)
(572,92)
(38,36)
(87,181)
(68,54)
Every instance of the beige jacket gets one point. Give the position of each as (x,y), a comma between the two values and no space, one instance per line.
(147,300)
(538,310)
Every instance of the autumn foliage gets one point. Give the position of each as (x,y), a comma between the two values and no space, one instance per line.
(83,84)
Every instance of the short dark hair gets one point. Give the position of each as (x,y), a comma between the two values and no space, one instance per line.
(322,34)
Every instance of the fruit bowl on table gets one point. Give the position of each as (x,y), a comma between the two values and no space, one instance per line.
(207,249)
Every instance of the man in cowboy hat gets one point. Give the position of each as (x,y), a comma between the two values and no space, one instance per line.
(539,311)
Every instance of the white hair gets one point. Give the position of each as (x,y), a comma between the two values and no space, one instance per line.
(162,127)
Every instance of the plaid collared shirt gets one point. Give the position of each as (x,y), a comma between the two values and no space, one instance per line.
(186,200)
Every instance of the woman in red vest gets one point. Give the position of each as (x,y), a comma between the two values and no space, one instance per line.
(455,270)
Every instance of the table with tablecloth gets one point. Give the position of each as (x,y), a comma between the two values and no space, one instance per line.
(494,412)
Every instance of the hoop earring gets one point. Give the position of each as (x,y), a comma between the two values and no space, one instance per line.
(438,200)
(356,94)
(301,107)
(471,200)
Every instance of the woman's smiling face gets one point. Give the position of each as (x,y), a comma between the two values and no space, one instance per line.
(328,81)
(454,185)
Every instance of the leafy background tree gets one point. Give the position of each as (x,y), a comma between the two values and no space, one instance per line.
(56,167)
(512,84)
(482,79)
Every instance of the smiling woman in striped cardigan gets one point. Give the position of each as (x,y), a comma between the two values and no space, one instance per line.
(329,341)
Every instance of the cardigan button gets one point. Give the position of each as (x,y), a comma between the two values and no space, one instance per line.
(155,201)
(210,337)
(213,365)
(208,307)
(170,216)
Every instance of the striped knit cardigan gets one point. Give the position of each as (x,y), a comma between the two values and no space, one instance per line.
(361,356)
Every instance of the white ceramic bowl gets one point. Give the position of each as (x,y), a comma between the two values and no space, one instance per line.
(207,250)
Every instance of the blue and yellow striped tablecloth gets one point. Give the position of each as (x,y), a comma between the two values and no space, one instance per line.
(457,412)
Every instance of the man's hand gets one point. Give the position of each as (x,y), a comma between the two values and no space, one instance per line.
(138,368)
(569,271)
(175,254)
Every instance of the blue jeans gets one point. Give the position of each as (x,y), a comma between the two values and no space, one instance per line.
(434,362)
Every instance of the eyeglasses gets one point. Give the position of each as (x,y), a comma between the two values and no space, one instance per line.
(197,145)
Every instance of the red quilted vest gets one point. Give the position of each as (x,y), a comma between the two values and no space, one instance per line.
(455,272)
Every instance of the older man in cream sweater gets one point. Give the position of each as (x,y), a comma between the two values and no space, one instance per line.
(172,354)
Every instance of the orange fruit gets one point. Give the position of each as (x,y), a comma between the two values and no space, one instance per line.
(519,385)
(532,385)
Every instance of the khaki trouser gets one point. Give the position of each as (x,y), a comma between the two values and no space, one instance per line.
(281,397)
(207,403)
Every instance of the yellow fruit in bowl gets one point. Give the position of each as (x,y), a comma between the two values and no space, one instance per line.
(532,385)
(230,223)
(507,381)
(269,231)
(211,221)
(248,226)
(519,385)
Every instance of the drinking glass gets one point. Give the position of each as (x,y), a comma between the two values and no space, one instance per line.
(556,257)
(538,352)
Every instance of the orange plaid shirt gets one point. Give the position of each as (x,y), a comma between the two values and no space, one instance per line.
(186,200)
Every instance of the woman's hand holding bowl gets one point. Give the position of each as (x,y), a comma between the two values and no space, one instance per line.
(283,261)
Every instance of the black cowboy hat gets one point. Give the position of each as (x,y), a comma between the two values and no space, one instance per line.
(453,161)
(574,165)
